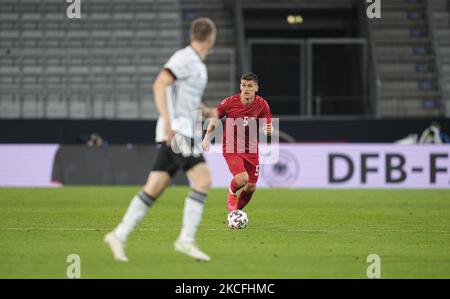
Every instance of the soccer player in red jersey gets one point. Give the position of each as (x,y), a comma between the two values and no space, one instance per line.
(240,138)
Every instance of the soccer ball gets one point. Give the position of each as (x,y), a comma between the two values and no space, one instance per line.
(237,219)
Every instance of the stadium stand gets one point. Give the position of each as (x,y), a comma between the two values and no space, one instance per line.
(221,63)
(405,58)
(100,66)
(439,12)
(298,3)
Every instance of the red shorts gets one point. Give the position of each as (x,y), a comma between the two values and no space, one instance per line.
(237,164)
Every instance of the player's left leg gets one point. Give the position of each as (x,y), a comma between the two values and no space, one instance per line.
(156,184)
(252,168)
(238,182)
(240,179)
(245,195)
(159,178)
(200,178)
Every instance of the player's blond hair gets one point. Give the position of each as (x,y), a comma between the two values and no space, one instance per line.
(202,29)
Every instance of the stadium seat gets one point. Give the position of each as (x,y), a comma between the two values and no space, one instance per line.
(440,25)
(122,41)
(10,106)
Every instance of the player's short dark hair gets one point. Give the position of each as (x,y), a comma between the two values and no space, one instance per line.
(250,77)
(201,29)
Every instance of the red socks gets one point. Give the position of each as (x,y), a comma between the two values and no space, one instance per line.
(244,196)
(234,186)
(243,199)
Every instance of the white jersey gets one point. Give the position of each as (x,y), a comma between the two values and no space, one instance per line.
(185,95)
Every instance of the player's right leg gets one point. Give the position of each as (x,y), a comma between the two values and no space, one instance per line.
(142,201)
(198,173)
(252,167)
(158,179)
(240,179)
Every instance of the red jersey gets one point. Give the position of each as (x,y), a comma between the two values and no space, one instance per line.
(242,124)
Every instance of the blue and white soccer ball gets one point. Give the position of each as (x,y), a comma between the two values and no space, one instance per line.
(237,219)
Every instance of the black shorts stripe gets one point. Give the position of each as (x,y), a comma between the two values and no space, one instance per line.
(147,199)
(167,160)
(197,200)
(197,196)
(198,192)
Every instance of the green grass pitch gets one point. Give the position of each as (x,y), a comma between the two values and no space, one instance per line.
(291,234)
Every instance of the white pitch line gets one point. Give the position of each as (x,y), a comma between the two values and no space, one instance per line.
(369,230)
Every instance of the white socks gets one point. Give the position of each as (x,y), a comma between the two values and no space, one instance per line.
(135,213)
(192,215)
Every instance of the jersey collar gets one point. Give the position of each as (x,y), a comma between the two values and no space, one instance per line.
(195,51)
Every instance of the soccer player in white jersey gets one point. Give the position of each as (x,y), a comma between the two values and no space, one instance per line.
(177,91)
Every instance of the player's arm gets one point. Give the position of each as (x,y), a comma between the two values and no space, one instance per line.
(163,80)
(209,112)
(211,127)
(268,128)
(219,112)
(267,125)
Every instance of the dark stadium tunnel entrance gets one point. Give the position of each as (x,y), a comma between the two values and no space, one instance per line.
(304,67)
(281,79)
(316,22)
